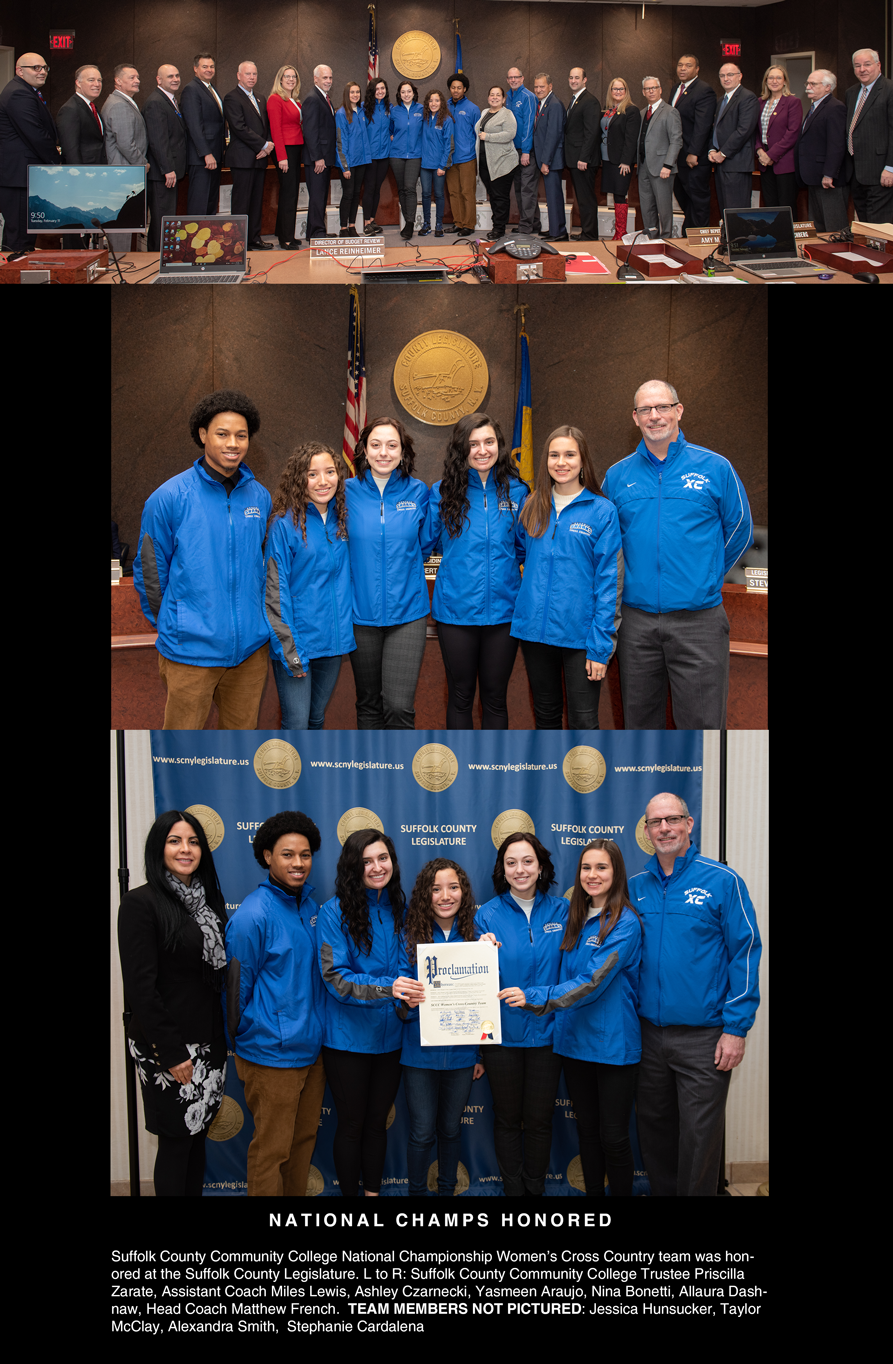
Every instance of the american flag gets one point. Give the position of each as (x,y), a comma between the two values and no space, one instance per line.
(355,404)
(372,71)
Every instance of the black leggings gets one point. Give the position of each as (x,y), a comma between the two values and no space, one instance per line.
(363,1087)
(376,173)
(602,1096)
(350,195)
(472,654)
(180,1166)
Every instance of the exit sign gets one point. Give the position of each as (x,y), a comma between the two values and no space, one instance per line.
(62,39)
(728,48)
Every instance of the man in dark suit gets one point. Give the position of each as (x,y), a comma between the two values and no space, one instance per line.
(318,118)
(202,110)
(869,129)
(548,147)
(249,150)
(167,150)
(582,151)
(820,154)
(731,150)
(28,137)
(695,102)
(80,125)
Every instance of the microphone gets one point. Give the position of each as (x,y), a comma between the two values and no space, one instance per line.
(627,271)
(97,224)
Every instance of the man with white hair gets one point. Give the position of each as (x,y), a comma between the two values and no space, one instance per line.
(869,131)
(318,122)
(249,150)
(660,142)
(81,128)
(820,154)
(684,521)
(698,995)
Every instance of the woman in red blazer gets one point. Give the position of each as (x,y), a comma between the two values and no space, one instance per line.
(284,113)
(778,128)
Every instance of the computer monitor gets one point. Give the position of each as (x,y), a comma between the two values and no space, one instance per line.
(65,199)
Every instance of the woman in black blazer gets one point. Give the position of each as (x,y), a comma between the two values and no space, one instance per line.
(620,135)
(173,961)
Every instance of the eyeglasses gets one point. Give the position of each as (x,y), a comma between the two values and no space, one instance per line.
(672,820)
(662,409)
(36,68)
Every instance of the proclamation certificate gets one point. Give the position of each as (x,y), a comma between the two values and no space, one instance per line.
(461,983)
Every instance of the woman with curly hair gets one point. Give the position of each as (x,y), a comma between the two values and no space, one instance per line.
(527,924)
(568,609)
(307,603)
(436,1080)
(595,1005)
(358,943)
(387,509)
(474,515)
(377,108)
(438,129)
(173,964)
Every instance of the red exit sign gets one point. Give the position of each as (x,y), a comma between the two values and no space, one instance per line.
(62,39)
(729,49)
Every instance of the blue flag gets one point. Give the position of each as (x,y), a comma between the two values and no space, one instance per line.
(458,51)
(522,436)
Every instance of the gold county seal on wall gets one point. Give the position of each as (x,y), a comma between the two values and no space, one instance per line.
(584,769)
(355,819)
(440,377)
(510,822)
(210,822)
(415,54)
(277,764)
(642,838)
(228,1122)
(435,767)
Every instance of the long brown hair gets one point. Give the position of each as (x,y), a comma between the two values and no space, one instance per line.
(345,99)
(442,113)
(454,501)
(293,495)
(538,507)
(618,896)
(407,455)
(420,918)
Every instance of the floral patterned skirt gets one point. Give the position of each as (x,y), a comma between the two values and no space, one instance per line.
(175,1110)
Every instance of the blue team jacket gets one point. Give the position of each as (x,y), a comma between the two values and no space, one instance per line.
(199,567)
(308,602)
(479,577)
(352,139)
(522,102)
(529,956)
(701,946)
(386,557)
(378,128)
(683,524)
(431,1058)
(466,116)
(406,130)
(573,580)
(275,1000)
(595,1000)
(361,1012)
(437,143)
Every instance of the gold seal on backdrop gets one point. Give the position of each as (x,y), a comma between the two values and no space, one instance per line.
(584,769)
(440,377)
(277,764)
(511,822)
(315,1182)
(463,1182)
(415,54)
(391,1116)
(575,1174)
(210,822)
(355,819)
(228,1122)
(568,893)
(642,838)
(435,767)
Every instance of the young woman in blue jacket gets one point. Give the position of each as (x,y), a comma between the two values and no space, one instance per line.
(597,1032)
(386,510)
(474,514)
(528,925)
(406,151)
(354,155)
(358,944)
(275,1007)
(307,602)
(568,609)
(436,1080)
(437,157)
(377,109)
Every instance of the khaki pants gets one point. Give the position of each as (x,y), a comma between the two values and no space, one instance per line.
(236,692)
(461,181)
(285,1104)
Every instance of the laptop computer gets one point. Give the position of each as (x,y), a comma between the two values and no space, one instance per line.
(762,241)
(203,250)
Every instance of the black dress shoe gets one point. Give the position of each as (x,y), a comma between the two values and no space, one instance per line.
(291,246)
(494,235)
(563,237)
(260,245)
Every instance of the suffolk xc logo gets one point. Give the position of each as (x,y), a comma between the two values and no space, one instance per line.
(696,896)
(406,506)
(695,481)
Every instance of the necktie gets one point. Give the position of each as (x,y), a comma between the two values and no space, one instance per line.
(96,116)
(648,115)
(862,99)
(722,109)
(680,91)
(216,96)
(809,115)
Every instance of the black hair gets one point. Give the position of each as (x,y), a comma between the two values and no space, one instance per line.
(351,889)
(407,451)
(546,877)
(458,76)
(224,400)
(274,828)
(172,917)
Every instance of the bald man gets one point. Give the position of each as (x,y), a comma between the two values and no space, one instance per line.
(28,137)
(167,149)
(249,148)
(81,127)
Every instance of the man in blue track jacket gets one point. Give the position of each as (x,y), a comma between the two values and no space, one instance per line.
(698,994)
(522,103)
(684,521)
